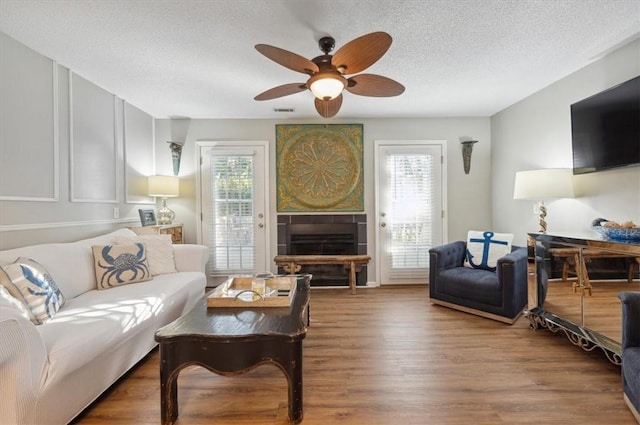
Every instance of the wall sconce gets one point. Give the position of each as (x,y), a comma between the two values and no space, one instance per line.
(176,154)
(467,148)
(167,187)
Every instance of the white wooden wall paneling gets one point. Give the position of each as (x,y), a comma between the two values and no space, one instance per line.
(93,144)
(29,167)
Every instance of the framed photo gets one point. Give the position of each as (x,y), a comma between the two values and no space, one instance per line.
(147,217)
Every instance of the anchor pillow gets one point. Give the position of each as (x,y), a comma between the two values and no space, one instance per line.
(29,282)
(485,248)
(118,265)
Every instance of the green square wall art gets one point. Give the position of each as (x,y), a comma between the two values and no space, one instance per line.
(319,167)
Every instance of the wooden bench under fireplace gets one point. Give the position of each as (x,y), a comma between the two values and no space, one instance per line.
(293,263)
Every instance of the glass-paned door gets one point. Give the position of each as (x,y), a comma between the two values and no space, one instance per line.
(233,199)
(409,210)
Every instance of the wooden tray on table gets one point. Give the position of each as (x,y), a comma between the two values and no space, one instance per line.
(236,292)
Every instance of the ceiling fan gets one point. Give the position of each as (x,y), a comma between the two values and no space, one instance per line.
(327,72)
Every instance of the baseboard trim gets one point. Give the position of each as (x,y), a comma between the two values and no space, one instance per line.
(477,312)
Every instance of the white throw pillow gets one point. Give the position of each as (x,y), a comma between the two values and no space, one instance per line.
(159,252)
(30,283)
(485,248)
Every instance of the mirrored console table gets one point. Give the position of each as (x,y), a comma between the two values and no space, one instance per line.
(573,286)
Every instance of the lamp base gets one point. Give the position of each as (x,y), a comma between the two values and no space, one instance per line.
(165,215)
(543,215)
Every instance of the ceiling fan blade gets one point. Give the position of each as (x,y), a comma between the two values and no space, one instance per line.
(374,85)
(328,108)
(283,90)
(359,54)
(288,59)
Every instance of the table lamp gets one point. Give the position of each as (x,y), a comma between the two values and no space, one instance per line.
(167,187)
(538,185)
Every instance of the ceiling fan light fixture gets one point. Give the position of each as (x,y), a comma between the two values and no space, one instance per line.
(326,73)
(326,86)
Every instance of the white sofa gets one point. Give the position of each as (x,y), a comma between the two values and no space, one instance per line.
(49,373)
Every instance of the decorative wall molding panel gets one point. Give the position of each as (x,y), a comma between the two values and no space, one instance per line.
(139,154)
(93,145)
(29,154)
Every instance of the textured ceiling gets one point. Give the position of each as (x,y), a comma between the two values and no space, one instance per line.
(196,58)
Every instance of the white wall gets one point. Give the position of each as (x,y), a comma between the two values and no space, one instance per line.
(468,195)
(62,152)
(536,133)
(64,218)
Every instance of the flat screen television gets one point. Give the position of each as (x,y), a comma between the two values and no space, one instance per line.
(605,129)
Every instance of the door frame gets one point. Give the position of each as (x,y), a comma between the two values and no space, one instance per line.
(376,221)
(203,144)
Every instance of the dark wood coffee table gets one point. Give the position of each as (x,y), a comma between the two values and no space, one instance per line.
(233,340)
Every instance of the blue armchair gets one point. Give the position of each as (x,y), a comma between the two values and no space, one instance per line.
(631,350)
(499,295)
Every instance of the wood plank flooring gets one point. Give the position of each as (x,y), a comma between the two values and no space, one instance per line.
(387,356)
(602,308)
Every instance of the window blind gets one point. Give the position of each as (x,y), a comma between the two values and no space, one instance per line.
(232,212)
(410,221)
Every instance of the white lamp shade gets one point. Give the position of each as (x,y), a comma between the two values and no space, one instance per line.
(165,186)
(551,183)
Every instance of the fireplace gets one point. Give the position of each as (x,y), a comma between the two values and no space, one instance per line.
(324,234)
(324,239)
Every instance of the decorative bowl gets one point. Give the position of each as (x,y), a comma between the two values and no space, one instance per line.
(619,234)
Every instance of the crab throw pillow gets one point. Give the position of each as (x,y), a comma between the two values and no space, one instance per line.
(29,282)
(118,265)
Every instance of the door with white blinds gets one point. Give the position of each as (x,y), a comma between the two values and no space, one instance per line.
(409,209)
(233,204)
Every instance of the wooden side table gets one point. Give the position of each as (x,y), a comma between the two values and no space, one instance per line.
(174,230)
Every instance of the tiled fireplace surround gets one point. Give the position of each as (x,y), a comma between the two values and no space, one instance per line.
(359,219)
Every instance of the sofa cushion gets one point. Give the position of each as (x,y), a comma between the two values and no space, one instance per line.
(117,265)
(481,286)
(159,252)
(106,321)
(485,248)
(29,282)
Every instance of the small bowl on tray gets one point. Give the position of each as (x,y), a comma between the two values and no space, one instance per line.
(618,234)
